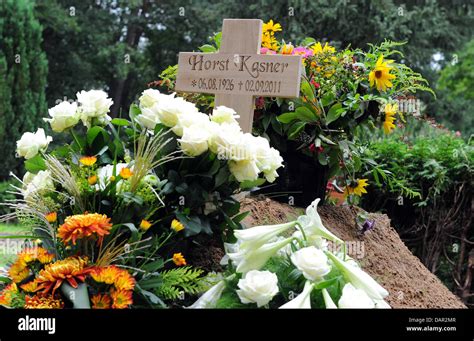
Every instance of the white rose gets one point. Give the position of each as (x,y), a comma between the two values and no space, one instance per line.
(272,162)
(194,141)
(312,262)
(150,97)
(31,144)
(170,109)
(149,117)
(187,120)
(63,116)
(355,298)
(224,114)
(39,183)
(93,104)
(258,287)
(244,170)
(224,139)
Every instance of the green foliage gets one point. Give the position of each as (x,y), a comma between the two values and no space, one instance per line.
(24,68)
(176,281)
(428,165)
(5,187)
(456,87)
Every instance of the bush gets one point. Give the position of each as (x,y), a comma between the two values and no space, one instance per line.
(436,225)
(5,196)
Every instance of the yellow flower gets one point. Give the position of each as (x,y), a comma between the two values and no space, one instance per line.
(68,270)
(88,160)
(176,225)
(178,259)
(269,42)
(30,286)
(145,225)
(126,173)
(43,302)
(120,278)
(271,27)
(319,49)
(51,217)
(7,294)
(390,111)
(101,301)
(121,299)
(83,226)
(287,49)
(112,178)
(19,269)
(92,180)
(380,76)
(359,189)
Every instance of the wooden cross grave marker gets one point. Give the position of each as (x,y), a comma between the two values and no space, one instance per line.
(238,73)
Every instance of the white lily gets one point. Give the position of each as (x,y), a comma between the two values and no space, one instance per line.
(312,225)
(209,299)
(381,304)
(255,237)
(255,259)
(303,300)
(359,278)
(328,300)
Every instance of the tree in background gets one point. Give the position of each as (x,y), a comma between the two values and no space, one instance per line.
(23,72)
(456,86)
(137,39)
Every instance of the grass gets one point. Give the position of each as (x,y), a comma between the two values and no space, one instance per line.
(9,245)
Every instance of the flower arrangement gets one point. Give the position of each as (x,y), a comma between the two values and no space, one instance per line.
(341,90)
(108,210)
(265,269)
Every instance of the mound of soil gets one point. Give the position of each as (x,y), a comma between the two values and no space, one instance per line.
(380,252)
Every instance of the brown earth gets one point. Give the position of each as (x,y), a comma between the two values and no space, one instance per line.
(380,252)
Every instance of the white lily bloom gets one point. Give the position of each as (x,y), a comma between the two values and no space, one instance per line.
(312,224)
(359,278)
(257,236)
(247,260)
(303,300)
(209,298)
(381,304)
(355,298)
(328,300)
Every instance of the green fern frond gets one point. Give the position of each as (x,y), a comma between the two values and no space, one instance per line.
(176,281)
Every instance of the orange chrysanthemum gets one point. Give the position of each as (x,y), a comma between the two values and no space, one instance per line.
(19,269)
(119,278)
(101,301)
(7,294)
(88,160)
(43,302)
(83,226)
(121,299)
(179,259)
(71,270)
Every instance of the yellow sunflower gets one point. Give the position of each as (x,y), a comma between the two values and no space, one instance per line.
(380,76)
(271,27)
(358,189)
(390,111)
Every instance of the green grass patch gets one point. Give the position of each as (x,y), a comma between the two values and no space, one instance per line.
(9,245)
